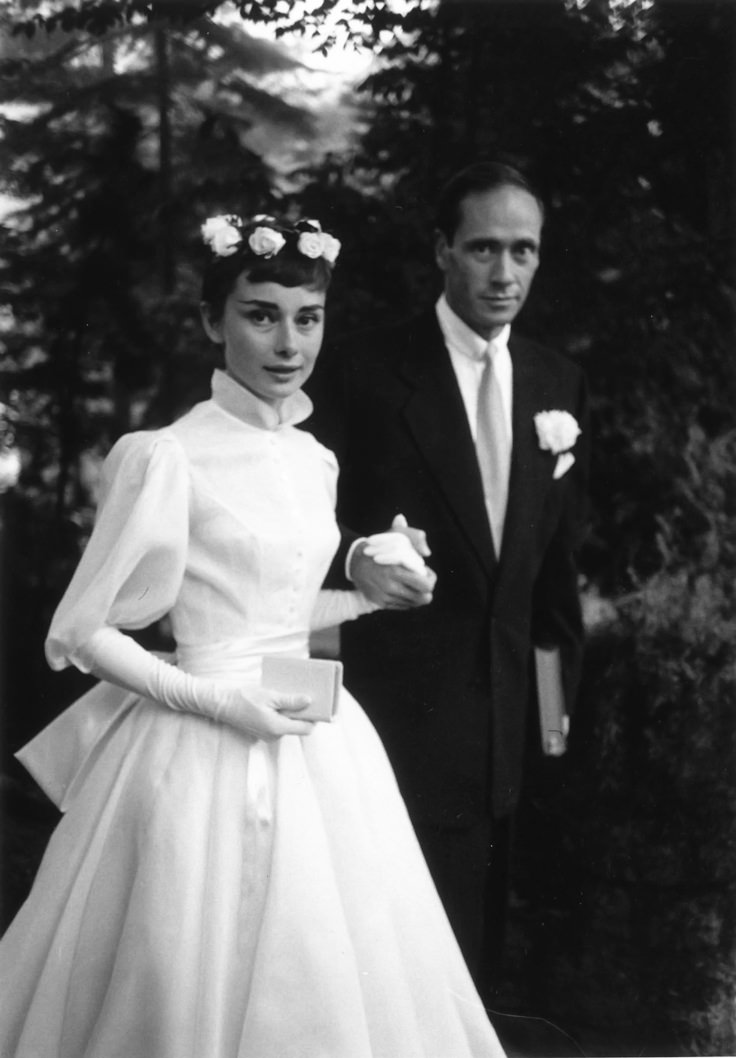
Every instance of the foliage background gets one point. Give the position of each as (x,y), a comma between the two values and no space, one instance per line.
(124,125)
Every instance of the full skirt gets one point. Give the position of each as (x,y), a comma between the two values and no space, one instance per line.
(210,896)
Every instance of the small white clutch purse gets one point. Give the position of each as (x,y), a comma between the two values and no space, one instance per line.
(319,678)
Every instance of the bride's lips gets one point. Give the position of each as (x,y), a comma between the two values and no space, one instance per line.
(282,372)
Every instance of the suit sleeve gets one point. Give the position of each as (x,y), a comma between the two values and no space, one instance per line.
(556,610)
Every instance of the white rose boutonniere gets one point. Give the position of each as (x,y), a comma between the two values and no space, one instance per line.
(557,432)
(221,235)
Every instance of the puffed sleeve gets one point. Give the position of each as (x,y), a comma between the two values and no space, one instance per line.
(132,568)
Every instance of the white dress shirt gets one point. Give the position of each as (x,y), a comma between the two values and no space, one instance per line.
(467,352)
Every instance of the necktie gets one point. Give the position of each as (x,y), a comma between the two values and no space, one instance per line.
(493,447)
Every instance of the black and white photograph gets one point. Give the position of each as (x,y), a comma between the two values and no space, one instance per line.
(367,528)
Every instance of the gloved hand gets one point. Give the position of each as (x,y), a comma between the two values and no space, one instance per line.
(417,537)
(262,714)
(401,546)
(392,549)
(389,570)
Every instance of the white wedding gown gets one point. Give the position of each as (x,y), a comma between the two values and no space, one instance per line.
(206,895)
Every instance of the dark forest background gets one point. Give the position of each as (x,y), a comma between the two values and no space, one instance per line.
(123,125)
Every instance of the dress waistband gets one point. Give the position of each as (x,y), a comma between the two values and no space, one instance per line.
(241,658)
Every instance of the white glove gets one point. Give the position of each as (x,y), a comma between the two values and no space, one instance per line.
(335,607)
(394,549)
(110,655)
(416,537)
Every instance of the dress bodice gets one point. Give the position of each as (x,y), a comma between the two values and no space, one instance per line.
(261,522)
(224,520)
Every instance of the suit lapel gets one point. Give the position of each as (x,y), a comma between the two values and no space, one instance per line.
(435,416)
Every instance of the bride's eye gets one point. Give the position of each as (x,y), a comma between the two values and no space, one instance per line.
(308,320)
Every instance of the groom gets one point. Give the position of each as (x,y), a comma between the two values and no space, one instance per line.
(435,419)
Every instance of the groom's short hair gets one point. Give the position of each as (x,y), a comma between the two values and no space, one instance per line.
(475,179)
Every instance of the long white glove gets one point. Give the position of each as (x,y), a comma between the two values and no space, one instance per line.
(335,607)
(113,656)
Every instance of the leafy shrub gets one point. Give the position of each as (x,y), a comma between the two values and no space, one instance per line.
(664,690)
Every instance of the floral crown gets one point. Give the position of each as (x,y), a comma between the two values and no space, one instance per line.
(265,237)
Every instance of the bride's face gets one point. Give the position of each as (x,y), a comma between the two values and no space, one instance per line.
(271,334)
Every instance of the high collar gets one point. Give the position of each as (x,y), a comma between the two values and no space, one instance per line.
(238,401)
(463,338)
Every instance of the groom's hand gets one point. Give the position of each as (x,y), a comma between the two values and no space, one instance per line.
(390,586)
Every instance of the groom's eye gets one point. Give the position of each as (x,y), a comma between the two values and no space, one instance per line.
(483,248)
(525,251)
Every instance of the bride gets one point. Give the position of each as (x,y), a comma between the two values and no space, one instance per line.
(230,879)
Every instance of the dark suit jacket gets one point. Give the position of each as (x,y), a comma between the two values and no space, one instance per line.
(448,685)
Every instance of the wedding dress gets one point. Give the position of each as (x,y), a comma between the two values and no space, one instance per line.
(207,895)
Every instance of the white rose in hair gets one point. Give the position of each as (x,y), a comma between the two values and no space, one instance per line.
(265,241)
(222,237)
(557,431)
(330,248)
(311,244)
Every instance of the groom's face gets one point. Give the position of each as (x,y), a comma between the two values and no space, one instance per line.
(490,262)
